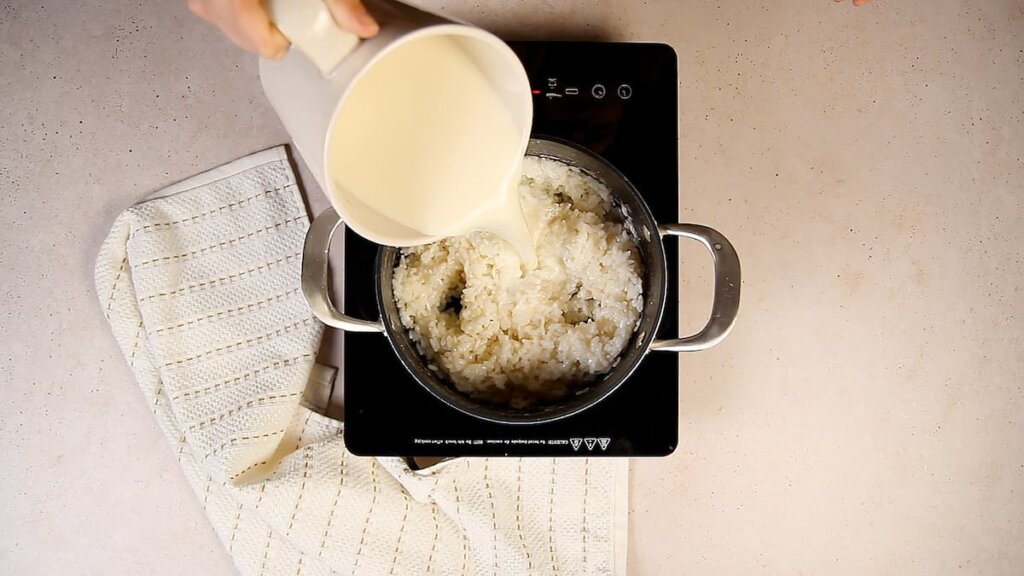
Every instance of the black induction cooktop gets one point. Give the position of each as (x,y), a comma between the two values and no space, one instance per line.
(620,101)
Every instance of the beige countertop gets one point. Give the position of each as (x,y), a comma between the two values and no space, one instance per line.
(865,416)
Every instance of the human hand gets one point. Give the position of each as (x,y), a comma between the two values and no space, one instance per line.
(247,23)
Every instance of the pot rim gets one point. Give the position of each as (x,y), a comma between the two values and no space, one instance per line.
(604,384)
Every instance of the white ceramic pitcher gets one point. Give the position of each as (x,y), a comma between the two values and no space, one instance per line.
(309,87)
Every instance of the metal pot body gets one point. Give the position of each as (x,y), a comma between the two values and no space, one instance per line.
(648,236)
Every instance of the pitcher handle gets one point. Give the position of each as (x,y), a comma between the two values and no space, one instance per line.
(309,26)
(315,274)
(726,303)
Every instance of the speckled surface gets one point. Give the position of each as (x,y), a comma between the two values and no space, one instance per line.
(864,416)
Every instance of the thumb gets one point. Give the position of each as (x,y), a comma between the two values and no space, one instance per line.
(352,16)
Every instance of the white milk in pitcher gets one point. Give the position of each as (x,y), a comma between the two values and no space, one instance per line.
(424,139)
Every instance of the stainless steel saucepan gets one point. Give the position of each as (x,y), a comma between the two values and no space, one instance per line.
(648,235)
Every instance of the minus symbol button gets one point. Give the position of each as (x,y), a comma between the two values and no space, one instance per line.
(572,91)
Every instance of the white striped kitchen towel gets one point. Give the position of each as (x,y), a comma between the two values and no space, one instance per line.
(200,284)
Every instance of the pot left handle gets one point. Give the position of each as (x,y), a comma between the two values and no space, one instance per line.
(315,272)
(726,304)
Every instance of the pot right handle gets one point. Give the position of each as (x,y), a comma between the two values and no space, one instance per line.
(727,289)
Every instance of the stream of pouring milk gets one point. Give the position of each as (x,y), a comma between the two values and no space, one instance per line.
(424,139)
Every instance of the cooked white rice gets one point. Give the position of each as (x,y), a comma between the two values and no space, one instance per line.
(518,339)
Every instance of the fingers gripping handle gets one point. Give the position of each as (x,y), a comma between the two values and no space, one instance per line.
(309,26)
